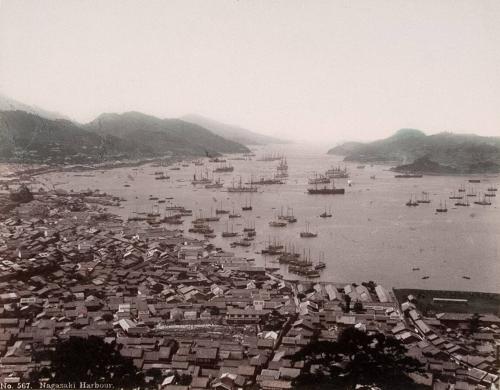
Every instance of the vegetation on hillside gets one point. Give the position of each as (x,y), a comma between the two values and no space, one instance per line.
(413,151)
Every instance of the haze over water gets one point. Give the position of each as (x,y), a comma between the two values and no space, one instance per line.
(371,236)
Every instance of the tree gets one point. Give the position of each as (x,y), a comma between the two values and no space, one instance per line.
(182,379)
(358,358)
(157,288)
(93,360)
(358,307)
(474,323)
(108,317)
(156,376)
(347,300)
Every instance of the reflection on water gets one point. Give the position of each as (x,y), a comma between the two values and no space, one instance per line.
(371,236)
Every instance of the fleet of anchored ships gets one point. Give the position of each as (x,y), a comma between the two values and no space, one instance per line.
(319,184)
(459,198)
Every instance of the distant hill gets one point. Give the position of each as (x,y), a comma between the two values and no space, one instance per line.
(8,104)
(414,151)
(345,148)
(231,132)
(30,138)
(26,137)
(156,136)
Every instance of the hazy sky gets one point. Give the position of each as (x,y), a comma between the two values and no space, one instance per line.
(301,69)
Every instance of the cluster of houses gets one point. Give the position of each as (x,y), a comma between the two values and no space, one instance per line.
(202,317)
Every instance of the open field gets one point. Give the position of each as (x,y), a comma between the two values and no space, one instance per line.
(477,302)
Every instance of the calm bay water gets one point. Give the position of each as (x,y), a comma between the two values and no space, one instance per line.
(371,236)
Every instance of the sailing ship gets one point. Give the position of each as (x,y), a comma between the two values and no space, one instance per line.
(224,168)
(241,188)
(289,217)
(221,210)
(155,212)
(411,202)
(326,214)
(321,262)
(425,198)
(326,190)
(307,233)
(441,208)
(200,228)
(483,201)
(228,233)
(266,181)
(283,165)
(216,184)
(234,215)
(271,157)
(247,206)
(274,248)
(455,196)
(202,179)
(250,230)
(462,203)
(461,188)
(319,179)
(161,176)
(471,192)
(337,173)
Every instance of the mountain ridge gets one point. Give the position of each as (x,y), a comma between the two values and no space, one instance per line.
(233,132)
(9,104)
(30,138)
(414,151)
